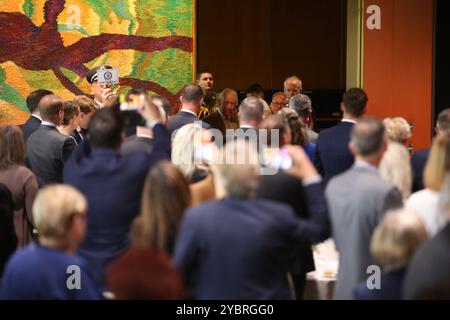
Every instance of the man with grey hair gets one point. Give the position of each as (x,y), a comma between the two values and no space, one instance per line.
(226,116)
(240,247)
(292,86)
(358,199)
(419,159)
(301,103)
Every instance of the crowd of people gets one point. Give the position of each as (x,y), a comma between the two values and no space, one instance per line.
(217,198)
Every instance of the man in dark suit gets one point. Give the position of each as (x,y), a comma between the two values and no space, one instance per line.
(241,247)
(191,100)
(291,190)
(112,183)
(47,148)
(34,121)
(358,199)
(87,109)
(226,117)
(332,155)
(419,158)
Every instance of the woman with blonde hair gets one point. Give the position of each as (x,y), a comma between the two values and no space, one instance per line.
(425,202)
(165,197)
(394,243)
(397,129)
(395,167)
(51,269)
(21,182)
(192,151)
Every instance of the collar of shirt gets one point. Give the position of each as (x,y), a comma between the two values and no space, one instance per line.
(189,111)
(143,135)
(245,126)
(37,117)
(349,121)
(99,104)
(48,124)
(366,165)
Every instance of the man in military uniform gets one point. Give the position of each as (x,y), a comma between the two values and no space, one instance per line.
(210,104)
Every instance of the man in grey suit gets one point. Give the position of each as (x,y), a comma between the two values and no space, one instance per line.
(47,148)
(358,198)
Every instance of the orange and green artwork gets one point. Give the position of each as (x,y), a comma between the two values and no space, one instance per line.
(52,44)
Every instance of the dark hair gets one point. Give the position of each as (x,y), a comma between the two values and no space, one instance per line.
(298,134)
(192,93)
(143,274)
(105,128)
(443,120)
(12,146)
(355,101)
(71,109)
(135,92)
(368,136)
(273,124)
(199,73)
(165,104)
(35,97)
(255,88)
(50,106)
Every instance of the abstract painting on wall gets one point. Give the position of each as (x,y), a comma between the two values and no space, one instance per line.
(52,44)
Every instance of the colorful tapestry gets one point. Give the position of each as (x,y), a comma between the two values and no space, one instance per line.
(52,44)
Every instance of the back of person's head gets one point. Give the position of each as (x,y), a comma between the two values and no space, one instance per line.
(396,238)
(238,168)
(86,104)
(355,102)
(187,142)
(397,129)
(298,135)
(192,93)
(54,209)
(395,168)
(50,106)
(161,212)
(12,146)
(35,97)
(438,163)
(105,129)
(71,110)
(443,121)
(256,90)
(251,109)
(277,130)
(162,102)
(368,137)
(144,274)
(301,103)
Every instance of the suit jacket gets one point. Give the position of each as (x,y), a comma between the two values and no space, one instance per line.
(30,126)
(215,120)
(77,136)
(391,287)
(134,144)
(8,238)
(430,268)
(287,189)
(418,162)
(332,155)
(182,118)
(357,201)
(112,184)
(241,249)
(47,151)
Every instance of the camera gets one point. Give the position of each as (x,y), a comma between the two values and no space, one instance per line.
(277,158)
(107,76)
(131,111)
